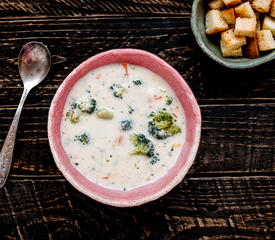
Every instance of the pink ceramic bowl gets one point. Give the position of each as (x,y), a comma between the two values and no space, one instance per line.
(147,192)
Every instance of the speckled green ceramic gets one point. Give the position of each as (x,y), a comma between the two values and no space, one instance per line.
(212,49)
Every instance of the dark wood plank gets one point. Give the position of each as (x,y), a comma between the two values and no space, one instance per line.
(87,7)
(74,39)
(235,139)
(207,208)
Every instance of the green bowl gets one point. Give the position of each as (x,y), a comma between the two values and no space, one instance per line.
(212,48)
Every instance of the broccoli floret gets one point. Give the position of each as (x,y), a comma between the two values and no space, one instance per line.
(73,116)
(143,145)
(154,159)
(174,129)
(83,107)
(84,138)
(87,107)
(162,125)
(130,109)
(138,82)
(117,89)
(157,133)
(126,125)
(169,100)
(74,105)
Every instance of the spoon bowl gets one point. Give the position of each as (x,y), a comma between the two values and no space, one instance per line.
(34,63)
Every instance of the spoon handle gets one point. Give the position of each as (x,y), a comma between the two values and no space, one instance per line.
(7,149)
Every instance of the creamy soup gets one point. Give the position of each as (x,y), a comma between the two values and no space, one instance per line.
(123,126)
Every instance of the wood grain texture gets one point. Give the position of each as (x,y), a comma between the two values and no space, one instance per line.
(235,139)
(240,208)
(89,7)
(74,39)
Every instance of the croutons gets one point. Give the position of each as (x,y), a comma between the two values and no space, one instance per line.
(244,10)
(229,52)
(265,40)
(261,5)
(214,22)
(230,3)
(272,9)
(229,16)
(251,50)
(245,27)
(269,24)
(231,41)
(216,4)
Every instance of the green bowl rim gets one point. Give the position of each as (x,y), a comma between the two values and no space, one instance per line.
(237,65)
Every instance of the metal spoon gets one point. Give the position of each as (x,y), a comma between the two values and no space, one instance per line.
(34,64)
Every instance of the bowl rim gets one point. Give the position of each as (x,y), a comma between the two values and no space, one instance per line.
(220,60)
(54,129)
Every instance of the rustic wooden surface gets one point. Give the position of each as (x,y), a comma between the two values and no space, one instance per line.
(229,193)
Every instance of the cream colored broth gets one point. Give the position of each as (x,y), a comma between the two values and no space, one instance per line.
(106,159)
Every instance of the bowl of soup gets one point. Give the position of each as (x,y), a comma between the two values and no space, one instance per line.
(124,127)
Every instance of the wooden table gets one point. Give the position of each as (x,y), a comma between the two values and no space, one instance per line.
(229,193)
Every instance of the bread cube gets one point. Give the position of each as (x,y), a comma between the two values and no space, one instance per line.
(245,10)
(251,50)
(261,5)
(269,24)
(229,16)
(272,9)
(245,27)
(230,3)
(216,4)
(265,40)
(229,52)
(231,41)
(214,22)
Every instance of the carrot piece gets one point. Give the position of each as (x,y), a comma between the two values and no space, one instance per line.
(105,177)
(98,76)
(124,64)
(177,145)
(158,98)
(174,115)
(120,139)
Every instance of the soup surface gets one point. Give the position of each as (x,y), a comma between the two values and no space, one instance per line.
(122,126)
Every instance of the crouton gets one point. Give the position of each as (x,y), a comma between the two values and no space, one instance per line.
(214,22)
(261,5)
(251,50)
(229,16)
(229,52)
(269,24)
(245,27)
(230,3)
(231,41)
(216,4)
(245,10)
(265,40)
(272,9)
